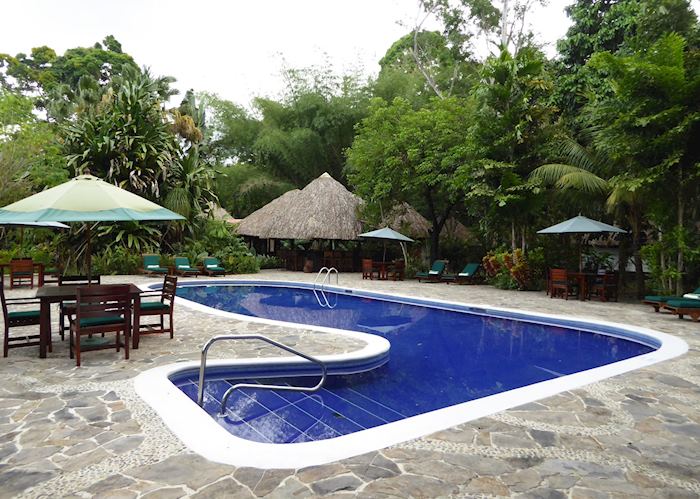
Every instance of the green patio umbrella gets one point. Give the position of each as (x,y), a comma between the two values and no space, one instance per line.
(580,225)
(388,234)
(85,199)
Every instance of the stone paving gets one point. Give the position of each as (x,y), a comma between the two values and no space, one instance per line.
(83,432)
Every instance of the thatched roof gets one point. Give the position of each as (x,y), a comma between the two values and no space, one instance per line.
(220,213)
(405,218)
(324,209)
(455,229)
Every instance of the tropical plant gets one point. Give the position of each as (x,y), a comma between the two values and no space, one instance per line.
(128,140)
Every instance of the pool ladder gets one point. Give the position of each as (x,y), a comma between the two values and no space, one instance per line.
(322,298)
(203,364)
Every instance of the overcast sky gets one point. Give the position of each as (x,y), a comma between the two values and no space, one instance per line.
(233,48)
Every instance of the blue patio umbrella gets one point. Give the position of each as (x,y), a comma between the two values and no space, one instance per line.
(580,225)
(388,234)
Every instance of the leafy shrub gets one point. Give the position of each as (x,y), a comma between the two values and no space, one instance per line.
(269,262)
(515,270)
(237,263)
(116,260)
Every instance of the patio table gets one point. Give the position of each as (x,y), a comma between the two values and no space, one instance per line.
(583,279)
(48,295)
(383,268)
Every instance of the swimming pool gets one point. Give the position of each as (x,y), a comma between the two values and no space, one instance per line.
(448,363)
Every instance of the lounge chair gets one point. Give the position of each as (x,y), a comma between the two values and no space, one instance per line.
(658,301)
(434,274)
(685,306)
(211,267)
(151,265)
(183,267)
(467,276)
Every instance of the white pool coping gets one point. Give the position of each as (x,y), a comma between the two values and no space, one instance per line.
(203,435)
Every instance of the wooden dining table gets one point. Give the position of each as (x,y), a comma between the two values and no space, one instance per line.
(48,295)
(583,279)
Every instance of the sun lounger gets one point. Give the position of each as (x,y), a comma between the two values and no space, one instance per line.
(468,275)
(211,267)
(434,274)
(658,301)
(151,265)
(684,306)
(183,267)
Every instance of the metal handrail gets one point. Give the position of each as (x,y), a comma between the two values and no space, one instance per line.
(326,272)
(203,363)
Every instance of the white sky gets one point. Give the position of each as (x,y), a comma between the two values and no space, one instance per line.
(233,48)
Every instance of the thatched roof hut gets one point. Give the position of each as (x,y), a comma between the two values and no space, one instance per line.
(324,209)
(405,218)
(455,230)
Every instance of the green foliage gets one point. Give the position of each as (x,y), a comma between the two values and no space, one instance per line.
(133,236)
(43,69)
(116,260)
(269,262)
(402,154)
(243,188)
(127,140)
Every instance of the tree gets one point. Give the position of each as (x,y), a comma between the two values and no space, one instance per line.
(402,154)
(613,26)
(30,151)
(43,69)
(650,125)
(510,131)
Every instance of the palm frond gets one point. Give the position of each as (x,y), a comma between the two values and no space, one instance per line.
(566,177)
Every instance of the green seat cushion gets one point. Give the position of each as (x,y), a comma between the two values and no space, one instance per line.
(22,273)
(216,269)
(158,269)
(661,298)
(154,305)
(101,321)
(23,314)
(684,303)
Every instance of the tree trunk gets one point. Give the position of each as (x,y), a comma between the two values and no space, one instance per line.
(523,241)
(512,235)
(679,259)
(434,244)
(638,264)
(622,257)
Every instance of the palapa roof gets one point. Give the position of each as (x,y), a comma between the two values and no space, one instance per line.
(405,218)
(454,229)
(324,209)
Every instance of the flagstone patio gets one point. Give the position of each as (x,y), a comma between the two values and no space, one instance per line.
(83,432)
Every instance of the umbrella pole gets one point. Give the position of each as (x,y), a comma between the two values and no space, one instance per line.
(405,255)
(384,255)
(89,253)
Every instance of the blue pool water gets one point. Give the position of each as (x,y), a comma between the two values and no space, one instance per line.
(438,358)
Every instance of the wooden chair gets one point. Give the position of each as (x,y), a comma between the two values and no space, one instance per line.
(397,270)
(67,308)
(101,309)
(368,269)
(559,283)
(19,318)
(435,273)
(159,308)
(21,273)
(604,286)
